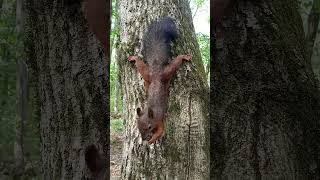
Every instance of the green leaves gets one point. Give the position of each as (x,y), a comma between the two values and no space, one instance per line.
(204,45)
(307,4)
(317,5)
(199,3)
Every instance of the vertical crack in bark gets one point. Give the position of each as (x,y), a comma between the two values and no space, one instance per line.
(189,139)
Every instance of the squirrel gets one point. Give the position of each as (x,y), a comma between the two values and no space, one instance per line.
(97,17)
(96,163)
(219,10)
(157,73)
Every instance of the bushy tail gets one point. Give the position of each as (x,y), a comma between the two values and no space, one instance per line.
(156,41)
(96,163)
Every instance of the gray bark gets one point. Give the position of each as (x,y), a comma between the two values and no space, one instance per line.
(184,151)
(72,76)
(265,98)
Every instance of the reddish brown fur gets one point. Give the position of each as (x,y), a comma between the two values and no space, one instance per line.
(219,10)
(98,19)
(156,79)
(96,163)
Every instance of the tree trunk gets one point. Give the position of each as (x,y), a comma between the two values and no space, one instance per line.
(116,96)
(1,3)
(72,76)
(22,114)
(265,99)
(22,99)
(184,151)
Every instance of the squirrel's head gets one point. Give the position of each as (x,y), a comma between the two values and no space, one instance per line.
(144,123)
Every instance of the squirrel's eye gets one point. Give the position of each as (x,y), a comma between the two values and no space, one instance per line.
(149,127)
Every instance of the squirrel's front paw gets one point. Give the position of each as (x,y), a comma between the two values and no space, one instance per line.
(132,58)
(187,57)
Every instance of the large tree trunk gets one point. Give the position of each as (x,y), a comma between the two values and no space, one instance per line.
(265,101)
(184,151)
(72,77)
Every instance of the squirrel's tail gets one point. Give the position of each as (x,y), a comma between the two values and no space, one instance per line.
(156,41)
(96,163)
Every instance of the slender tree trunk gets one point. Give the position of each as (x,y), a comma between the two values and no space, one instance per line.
(4,74)
(184,151)
(115,41)
(116,97)
(22,114)
(72,75)
(22,99)
(5,87)
(265,98)
(1,3)
(312,28)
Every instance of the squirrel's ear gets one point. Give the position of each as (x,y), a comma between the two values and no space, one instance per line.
(150,113)
(139,112)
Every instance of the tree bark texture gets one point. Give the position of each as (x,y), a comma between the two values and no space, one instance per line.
(265,99)
(184,151)
(72,75)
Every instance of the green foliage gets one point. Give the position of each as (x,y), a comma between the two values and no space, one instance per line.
(199,3)
(117,125)
(115,91)
(204,44)
(317,5)
(11,49)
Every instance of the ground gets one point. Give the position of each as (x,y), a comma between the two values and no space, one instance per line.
(116,138)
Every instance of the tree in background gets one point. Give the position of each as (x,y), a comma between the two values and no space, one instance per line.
(310,13)
(184,152)
(265,98)
(22,98)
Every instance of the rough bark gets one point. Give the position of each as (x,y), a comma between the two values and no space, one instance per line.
(184,151)
(72,75)
(265,99)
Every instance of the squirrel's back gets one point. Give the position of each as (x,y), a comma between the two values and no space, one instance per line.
(157,40)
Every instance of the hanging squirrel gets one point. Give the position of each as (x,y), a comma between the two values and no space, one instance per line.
(157,73)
